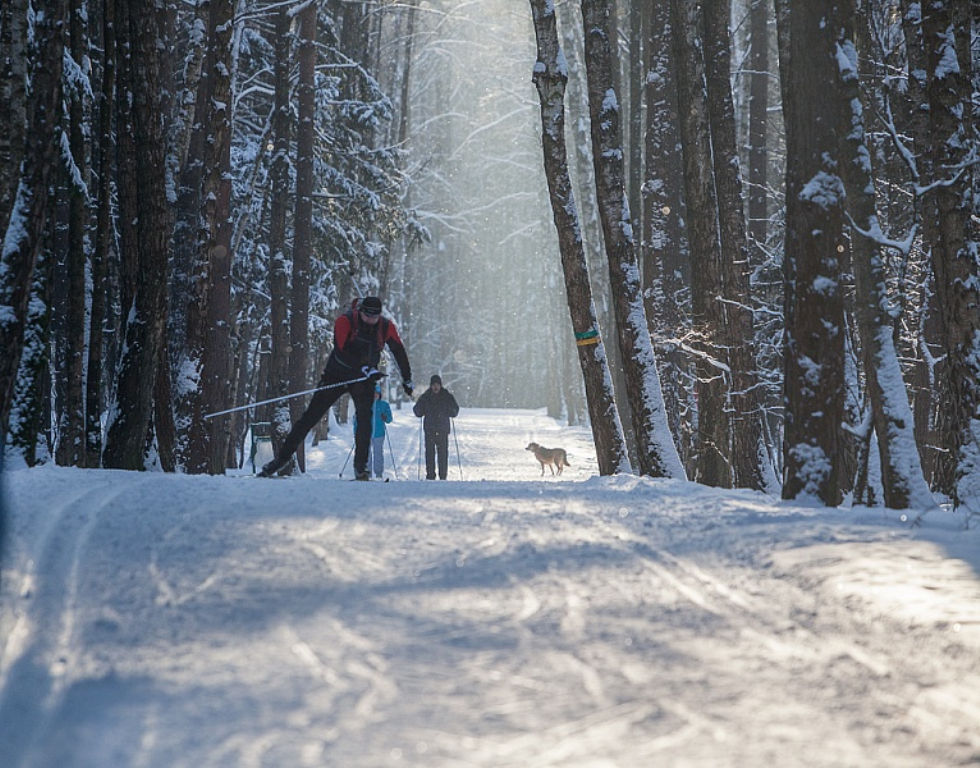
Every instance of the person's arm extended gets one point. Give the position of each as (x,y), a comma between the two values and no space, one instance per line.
(397,348)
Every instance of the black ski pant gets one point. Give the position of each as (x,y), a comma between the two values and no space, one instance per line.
(361,392)
(436,442)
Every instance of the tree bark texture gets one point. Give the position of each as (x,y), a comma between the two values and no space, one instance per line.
(103,242)
(655,447)
(713,437)
(738,331)
(303,228)
(758,129)
(71,416)
(29,212)
(143,84)
(946,28)
(814,314)
(550,78)
(664,257)
(903,483)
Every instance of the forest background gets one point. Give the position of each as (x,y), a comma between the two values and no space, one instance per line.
(764,273)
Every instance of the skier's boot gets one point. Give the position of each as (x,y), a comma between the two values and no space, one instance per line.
(272,467)
(362,474)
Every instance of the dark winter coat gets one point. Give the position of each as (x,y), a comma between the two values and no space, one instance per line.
(436,410)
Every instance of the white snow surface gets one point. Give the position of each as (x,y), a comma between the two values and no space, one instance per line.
(498,619)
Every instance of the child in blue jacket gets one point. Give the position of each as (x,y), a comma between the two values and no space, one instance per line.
(382,416)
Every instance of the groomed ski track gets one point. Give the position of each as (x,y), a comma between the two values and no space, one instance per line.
(498,619)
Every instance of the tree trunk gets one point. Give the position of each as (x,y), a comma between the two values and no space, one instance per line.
(278,362)
(142,85)
(208,314)
(655,446)
(714,438)
(71,416)
(814,314)
(903,483)
(550,79)
(737,332)
(303,230)
(663,251)
(29,212)
(758,129)
(103,242)
(14,61)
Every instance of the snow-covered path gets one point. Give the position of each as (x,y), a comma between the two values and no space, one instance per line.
(502,620)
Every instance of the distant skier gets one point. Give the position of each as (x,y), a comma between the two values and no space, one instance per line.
(360,334)
(436,407)
(382,416)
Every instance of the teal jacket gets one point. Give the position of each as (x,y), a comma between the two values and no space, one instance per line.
(382,416)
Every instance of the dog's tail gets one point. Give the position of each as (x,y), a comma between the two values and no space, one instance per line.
(565,459)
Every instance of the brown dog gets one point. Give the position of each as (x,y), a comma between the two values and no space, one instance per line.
(553,457)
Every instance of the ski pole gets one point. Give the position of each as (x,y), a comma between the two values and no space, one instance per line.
(458,462)
(391,452)
(287,397)
(349,453)
(419,473)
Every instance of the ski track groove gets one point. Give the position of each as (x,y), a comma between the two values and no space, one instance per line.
(47,624)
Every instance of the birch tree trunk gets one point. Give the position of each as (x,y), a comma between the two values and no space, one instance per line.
(550,78)
(814,313)
(29,213)
(903,483)
(141,25)
(656,452)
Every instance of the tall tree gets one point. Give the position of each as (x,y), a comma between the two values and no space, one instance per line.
(814,312)
(143,81)
(103,240)
(664,261)
(903,483)
(209,320)
(550,78)
(303,228)
(71,414)
(277,382)
(656,452)
(949,158)
(714,436)
(737,332)
(28,215)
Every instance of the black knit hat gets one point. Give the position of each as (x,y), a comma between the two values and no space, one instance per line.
(436,379)
(371,305)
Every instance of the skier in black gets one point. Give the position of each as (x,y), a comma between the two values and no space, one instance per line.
(359,336)
(436,407)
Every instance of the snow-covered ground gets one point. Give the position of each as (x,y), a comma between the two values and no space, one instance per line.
(497,619)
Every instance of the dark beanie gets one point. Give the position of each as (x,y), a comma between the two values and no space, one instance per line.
(371,305)
(436,379)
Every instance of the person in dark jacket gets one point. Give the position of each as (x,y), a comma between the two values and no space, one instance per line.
(436,407)
(360,334)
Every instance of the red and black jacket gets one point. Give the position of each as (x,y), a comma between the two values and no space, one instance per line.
(357,344)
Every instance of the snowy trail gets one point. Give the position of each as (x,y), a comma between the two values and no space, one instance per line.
(506,620)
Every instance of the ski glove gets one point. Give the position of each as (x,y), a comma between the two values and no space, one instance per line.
(372,374)
(408,386)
